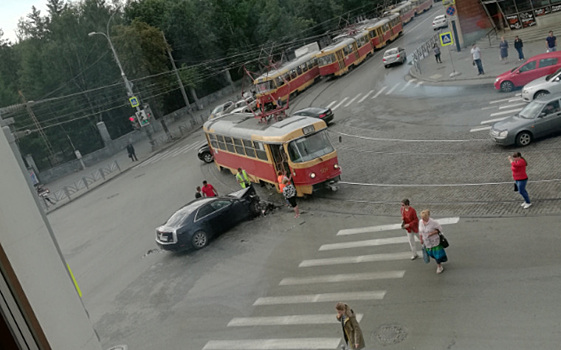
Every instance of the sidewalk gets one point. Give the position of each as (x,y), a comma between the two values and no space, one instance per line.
(461,62)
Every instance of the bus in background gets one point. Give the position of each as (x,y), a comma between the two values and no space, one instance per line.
(421,6)
(383,31)
(406,10)
(347,52)
(291,77)
(296,145)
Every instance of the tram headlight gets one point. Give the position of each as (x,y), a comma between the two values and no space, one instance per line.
(313,175)
(336,166)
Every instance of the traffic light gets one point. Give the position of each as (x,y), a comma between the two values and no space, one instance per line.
(134,122)
(142,118)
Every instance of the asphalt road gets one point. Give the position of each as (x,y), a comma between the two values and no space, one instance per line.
(272,283)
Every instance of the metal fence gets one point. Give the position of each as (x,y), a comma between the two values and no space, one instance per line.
(423,51)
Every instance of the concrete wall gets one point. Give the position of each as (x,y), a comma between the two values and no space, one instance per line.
(473,21)
(33,254)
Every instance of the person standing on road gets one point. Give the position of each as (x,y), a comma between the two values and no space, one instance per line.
(518,166)
(428,234)
(131,152)
(410,223)
(208,190)
(503,47)
(351,329)
(289,192)
(436,50)
(476,54)
(518,46)
(198,194)
(551,42)
(242,178)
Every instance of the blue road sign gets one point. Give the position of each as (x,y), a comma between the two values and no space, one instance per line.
(134,102)
(451,10)
(446,39)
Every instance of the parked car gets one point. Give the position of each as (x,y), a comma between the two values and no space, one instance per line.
(222,109)
(439,21)
(249,102)
(196,223)
(393,56)
(325,114)
(541,117)
(205,154)
(550,84)
(536,67)
(243,109)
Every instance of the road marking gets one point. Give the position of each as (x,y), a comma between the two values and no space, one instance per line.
(365,96)
(401,140)
(331,104)
(498,101)
(419,84)
(285,320)
(513,105)
(490,107)
(366,243)
(356,259)
(372,229)
(493,120)
(379,92)
(320,298)
(340,103)
(275,344)
(515,99)
(393,88)
(510,111)
(367,276)
(351,101)
(481,129)
(408,83)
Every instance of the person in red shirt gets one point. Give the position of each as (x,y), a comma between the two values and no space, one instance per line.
(410,223)
(208,190)
(518,166)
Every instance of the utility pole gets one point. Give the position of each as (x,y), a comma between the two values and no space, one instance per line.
(181,87)
(38,127)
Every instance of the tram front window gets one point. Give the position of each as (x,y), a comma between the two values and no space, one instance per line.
(310,147)
(264,86)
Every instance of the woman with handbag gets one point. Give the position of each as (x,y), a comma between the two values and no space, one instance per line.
(410,223)
(518,166)
(351,330)
(429,234)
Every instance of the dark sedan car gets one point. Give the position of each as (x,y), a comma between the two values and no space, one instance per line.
(205,154)
(325,114)
(196,223)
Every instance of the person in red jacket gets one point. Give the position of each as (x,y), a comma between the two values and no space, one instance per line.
(518,166)
(410,223)
(208,190)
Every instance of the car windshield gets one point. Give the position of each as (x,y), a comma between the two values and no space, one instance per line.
(310,147)
(217,109)
(532,110)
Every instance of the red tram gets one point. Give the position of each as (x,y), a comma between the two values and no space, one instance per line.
(406,10)
(421,6)
(345,53)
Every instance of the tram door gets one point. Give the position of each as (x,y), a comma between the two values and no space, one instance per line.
(279,159)
(340,58)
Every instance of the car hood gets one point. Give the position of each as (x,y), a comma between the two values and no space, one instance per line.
(243,193)
(511,123)
(536,82)
(505,75)
(165,228)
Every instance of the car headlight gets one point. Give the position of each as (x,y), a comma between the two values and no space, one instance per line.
(336,166)
(503,133)
(313,175)
(497,80)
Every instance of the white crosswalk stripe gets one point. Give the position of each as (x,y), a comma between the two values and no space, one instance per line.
(339,104)
(510,111)
(351,101)
(493,120)
(285,320)
(320,298)
(380,228)
(379,92)
(356,259)
(331,104)
(481,129)
(365,96)
(366,243)
(347,277)
(275,344)
(407,84)
(171,153)
(393,88)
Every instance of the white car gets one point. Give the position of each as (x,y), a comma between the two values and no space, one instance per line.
(439,22)
(222,109)
(550,84)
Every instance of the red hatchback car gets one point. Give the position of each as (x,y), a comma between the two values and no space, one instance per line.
(535,67)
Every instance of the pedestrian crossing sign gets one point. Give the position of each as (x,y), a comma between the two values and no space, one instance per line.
(446,39)
(134,102)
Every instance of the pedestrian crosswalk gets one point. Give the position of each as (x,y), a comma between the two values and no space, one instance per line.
(359,98)
(311,285)
(170,153)
(504,107)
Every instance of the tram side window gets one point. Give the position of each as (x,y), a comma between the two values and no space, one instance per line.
(299,70)
(304,67)
(287,77)
(386,27)
(249,150)
(239,147)
(213,142)
(293,74)
(280,82)
(229,144)
(260,150)
(221,143)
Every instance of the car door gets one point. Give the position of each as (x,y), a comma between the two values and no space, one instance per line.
(549,120)
(547,66)
(209,218)
(526,73)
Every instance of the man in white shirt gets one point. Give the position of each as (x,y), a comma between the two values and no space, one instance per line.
(476,54)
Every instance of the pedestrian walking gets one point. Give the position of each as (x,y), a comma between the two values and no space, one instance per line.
(476,55)
(518,166)
(436,50)
(429,230)
(242,178)
(289,192)
(44,193)
(351,329)
(208,190)
(131,152)
(503,48)
(551,42)
(410,223)
(518,45)
(198,194)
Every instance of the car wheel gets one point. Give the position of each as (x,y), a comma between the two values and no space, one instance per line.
(540,94)
(385,66)
(523,139)
(199,240)
(208,157)
(507,86)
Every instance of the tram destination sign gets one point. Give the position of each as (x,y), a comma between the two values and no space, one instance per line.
(308,129)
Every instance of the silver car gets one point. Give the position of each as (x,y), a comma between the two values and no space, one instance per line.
(550,84)
(539,118)
(395,55)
